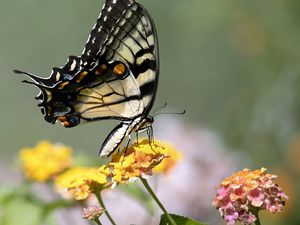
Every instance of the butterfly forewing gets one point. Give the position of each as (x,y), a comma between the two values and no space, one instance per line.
(116,76)
(110,14)
(133,41)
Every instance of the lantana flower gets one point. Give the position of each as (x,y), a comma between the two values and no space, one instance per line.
(136,161)
(140,160)
(241,196)
(45,160)
(92,212)
(169,162)
(82,181)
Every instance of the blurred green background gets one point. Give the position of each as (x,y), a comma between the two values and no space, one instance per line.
(234,66)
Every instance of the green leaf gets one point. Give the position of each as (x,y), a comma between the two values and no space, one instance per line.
(180,220)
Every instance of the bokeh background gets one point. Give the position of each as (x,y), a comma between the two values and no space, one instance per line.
(234,66)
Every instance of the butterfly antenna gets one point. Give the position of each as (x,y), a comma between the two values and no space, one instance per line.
(160,107)
(170,113)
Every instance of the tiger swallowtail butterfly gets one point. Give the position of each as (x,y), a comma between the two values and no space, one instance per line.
(116,76)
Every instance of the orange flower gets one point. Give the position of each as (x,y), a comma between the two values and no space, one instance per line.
(140,160)
(169,162)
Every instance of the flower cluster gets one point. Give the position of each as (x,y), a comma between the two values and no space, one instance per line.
(92,212)
(172,156)
(139,160)
(242,195)
(81,182)
(45,160)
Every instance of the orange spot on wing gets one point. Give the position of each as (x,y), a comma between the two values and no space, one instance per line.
(49,111)
(119,69)
(63,84)
(101,69)
(81,76)
(66,124)
(64,121)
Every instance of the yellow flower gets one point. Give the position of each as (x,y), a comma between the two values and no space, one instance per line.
(168,163)
(140,160)
(82,181)
(45,160)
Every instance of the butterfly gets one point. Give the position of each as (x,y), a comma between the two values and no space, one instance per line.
(116,77)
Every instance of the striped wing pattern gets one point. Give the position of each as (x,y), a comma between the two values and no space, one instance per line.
(116,76)
(131,40)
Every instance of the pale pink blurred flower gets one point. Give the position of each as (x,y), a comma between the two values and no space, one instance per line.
(92,212)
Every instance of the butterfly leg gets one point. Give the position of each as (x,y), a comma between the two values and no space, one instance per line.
(150,134)
(126,148)
(137,137)
(150,137)
(129,140)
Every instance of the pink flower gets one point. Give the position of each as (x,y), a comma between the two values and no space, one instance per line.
(231,216)
(246,192)
(92,212)
(256,197)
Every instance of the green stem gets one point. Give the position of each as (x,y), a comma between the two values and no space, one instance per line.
(100,200)
(151,192)
(97,221)
(257,221)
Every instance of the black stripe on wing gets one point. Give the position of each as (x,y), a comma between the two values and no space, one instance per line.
(127,38)
(133,40)
(98,106)
(110,14)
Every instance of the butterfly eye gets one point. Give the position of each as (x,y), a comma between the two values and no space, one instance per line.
(119,69)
